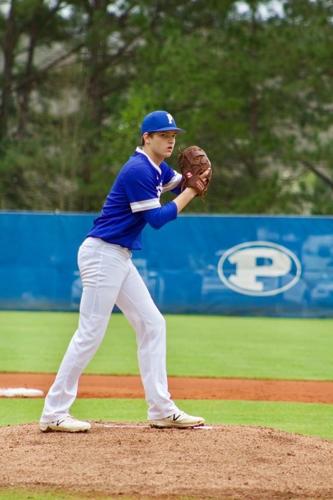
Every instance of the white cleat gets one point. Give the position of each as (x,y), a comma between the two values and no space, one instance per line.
(178,420)
(65,424)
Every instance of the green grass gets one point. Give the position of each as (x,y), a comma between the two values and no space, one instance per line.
(23,494)
(197,346)
(302,418)
(212,346)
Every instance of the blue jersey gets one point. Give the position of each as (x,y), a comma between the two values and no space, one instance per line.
(134,200)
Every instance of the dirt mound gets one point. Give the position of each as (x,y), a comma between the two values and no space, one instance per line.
(212,462)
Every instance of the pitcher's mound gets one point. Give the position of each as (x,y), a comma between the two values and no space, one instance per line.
(133,460)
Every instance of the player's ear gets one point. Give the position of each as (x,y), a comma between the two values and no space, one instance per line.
(145,136)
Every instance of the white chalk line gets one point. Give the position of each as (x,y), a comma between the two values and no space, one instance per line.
(25,392)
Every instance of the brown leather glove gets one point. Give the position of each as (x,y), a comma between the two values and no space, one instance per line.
(196,182)
(192,163)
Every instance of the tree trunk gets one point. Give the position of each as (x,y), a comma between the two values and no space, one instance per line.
(25,90)
(97,46)
(9,44)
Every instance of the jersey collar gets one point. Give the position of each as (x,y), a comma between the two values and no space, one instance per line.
(139,150)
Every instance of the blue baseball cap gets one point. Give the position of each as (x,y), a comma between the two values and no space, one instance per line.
(159,121)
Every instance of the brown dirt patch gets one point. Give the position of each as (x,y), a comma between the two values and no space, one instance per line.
(235,462)
(99,386)
(225,462)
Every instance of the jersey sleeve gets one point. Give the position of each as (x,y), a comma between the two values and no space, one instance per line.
(141,190)
(157,217)
(171,179)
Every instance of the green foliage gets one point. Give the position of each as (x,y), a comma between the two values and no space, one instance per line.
(252,89)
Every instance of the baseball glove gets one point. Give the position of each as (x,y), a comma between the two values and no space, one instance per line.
(192,163)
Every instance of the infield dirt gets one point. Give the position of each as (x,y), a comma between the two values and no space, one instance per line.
(134,461)
(107,386)
(231,462)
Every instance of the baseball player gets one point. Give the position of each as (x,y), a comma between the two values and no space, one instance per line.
(109,277)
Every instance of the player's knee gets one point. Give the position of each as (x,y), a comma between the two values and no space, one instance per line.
(161,322)
(156,323)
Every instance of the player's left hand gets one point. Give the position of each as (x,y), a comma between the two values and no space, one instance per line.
(194,163)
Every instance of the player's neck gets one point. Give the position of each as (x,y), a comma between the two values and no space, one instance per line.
(157,159)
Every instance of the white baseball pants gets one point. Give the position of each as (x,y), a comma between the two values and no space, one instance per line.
(109,277)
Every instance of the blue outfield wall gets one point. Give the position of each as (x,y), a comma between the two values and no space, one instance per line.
(210,264)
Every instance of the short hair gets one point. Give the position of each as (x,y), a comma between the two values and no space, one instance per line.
(142,139)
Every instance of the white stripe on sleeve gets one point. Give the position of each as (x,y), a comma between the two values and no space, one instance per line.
(172,183)
(140,206)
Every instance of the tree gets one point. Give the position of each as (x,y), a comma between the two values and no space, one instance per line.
(252,86)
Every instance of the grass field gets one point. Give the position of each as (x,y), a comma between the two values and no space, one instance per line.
(302,418)
(197,346)
(212,346)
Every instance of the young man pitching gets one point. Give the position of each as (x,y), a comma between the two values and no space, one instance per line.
(109,277)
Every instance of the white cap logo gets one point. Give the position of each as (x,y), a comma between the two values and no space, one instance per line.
(170,118)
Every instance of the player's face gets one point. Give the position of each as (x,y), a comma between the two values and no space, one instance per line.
(162,144)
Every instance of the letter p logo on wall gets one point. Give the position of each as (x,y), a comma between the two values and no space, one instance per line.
(259,268)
